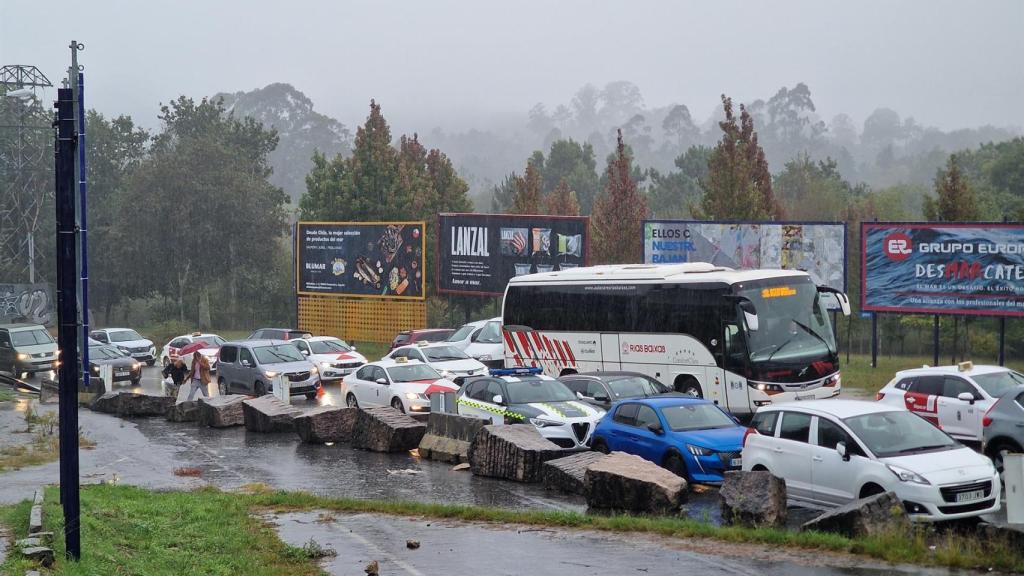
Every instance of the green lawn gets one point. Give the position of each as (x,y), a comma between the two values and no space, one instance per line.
(127,530)
(858,373)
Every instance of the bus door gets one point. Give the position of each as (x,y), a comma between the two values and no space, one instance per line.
(733,354)
(610,352)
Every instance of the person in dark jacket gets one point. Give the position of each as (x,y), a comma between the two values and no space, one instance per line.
(176,371)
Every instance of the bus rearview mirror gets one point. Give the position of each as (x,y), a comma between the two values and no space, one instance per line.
(749,315)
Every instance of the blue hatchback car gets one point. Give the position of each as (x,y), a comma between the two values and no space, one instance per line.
(691,437)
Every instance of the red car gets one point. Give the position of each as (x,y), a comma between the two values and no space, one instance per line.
(424,335)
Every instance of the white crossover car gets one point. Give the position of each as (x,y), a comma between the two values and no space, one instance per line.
(450,361)
(404,385)
(954,398)
(831,452)
(525,396)
(335,357)
(129,342)
(481,340)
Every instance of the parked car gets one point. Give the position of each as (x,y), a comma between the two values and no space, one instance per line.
(955,398)
(123,368)
(525,396)
(27,349)
(482,341)
(277,334)
(405,385)
(426,335)
(1003,427)
(335,357)
(831,452)
(602,389)
(691,437)
(451,362)
(250,366)
(169,353)
(128,341)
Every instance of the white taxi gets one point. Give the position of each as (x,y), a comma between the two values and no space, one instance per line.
(334,357)
(954,398)
(525,396)
(169,353)
(447,359)
(405,385)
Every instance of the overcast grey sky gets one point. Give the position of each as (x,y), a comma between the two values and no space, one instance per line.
(468,63)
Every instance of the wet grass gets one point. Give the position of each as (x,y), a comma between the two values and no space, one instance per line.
(127,530)
(858,373)
(137,531)
(6,395)
(41,447)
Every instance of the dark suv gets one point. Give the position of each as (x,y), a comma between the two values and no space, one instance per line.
(277,334)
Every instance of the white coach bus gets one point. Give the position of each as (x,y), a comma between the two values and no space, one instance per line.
(743,338)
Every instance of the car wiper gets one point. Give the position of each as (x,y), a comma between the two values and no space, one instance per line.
(922,448)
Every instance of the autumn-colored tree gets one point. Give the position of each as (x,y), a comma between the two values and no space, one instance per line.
(739,185)
(955,200)
(527,199)
(619,212)
(562,201)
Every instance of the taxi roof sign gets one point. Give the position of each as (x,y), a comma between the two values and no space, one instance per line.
(965,366)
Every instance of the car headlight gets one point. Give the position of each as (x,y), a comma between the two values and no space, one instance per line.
(269,373)
(699,450)
(123,349)
(415,396)
(542,423)
(136,366)
(96,369)
(446,374)
(483,357)
(325,365)
(22,356)
(314,370)
(906,475)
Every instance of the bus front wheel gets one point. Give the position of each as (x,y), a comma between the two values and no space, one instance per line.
(688,385)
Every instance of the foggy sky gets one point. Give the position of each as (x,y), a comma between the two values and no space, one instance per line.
(477,63)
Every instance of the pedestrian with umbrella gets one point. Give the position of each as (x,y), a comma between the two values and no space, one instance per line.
(199,372)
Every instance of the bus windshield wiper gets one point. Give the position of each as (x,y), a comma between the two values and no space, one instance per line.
(812,333)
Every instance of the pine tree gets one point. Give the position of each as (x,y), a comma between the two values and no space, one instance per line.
(739,184)
(619,212)
(527,199)
(562,201)
(369,191)
(955,200)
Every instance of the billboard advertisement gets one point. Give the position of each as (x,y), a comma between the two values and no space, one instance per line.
(371,259)
(478,253)
(815,247)
(943,268)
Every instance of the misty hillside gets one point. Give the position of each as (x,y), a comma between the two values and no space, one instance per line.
(301,130)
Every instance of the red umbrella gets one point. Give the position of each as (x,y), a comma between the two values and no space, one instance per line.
(193,347)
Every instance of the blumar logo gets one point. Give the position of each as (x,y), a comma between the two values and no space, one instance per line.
(898,246)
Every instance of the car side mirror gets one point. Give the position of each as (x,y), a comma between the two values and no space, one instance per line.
(381,381)
(246,363)
(497,399)
(656,428)
(353,348)
(843,453)
(304,352)
(601,399)
(966,397)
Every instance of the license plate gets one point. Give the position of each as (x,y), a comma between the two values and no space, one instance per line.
(121,371)
(805,396)
(970,496)
(736,462)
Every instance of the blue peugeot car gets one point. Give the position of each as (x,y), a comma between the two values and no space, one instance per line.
(691,437)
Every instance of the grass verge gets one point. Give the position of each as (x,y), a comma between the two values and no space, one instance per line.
(858,373)
(132,530)
(6,395)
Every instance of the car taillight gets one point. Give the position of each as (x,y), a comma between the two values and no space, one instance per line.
(748,433)
(986,421)
(879,396)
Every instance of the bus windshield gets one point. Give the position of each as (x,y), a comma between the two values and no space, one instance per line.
(793,323)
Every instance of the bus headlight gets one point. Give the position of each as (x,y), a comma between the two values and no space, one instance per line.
(765,387)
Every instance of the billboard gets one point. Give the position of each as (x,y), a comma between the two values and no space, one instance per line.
(478,253)
(371,259)
(815,247)
(943,268)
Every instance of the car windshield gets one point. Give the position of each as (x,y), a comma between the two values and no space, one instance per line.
(696,417)
(329,346)
(125,336)
(898,433)
(103,353)
(31,337)
(635,386)
(278,354)
(444,353)
(412,373)
(491,334)
(462,333)
(433,336)
(998,383)
(538,390)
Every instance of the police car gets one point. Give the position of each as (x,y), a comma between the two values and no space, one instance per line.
(335,357)
(526,396)
(405,385)
(954,398)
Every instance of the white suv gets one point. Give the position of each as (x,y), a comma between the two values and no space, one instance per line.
(481,340)
(830,452)
(129,342)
